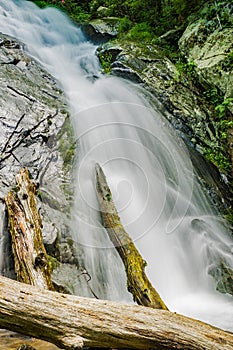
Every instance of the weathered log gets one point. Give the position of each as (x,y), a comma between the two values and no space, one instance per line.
(137,282)
(31,264)
(72,322)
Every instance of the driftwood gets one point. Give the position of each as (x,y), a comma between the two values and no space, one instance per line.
(72,322)
(137,282)
(31,264)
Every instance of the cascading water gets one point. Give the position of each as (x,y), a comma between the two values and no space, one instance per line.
(148,169)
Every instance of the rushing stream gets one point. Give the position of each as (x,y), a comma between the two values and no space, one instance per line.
(148,169)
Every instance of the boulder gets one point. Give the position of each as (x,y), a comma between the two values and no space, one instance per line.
(101,30)
(212,55)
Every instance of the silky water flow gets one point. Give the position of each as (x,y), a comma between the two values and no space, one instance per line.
(147,166)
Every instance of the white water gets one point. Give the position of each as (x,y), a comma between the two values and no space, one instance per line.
(147,167)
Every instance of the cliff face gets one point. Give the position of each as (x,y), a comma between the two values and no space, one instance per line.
(36,133)
(211,53)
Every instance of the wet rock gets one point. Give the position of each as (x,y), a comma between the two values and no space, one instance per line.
(35,133)
(70,279)
(223,275)
(101,30)
(103,11)
(184,103)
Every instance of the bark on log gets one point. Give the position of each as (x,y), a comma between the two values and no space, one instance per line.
(31,264)
(137,282)
(72,322)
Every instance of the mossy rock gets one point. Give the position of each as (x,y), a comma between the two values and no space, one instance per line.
(223,274)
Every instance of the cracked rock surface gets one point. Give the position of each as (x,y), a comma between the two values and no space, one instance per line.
(35,133)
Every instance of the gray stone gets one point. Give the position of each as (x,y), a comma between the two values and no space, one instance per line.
(100,30)
(35,133)
(211,56)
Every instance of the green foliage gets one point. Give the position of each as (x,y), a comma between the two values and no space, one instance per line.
(218,157)
(190,69)
(229,215)
(184,8)
(224,126)
(155,17)
(41,4)
(213,96)
(217,154)
(77,10)
(52,262)
(124,25)
(186,69)
(141,32)
(222,108)
(229,58)
(106,61)
(216,15)
(109,197)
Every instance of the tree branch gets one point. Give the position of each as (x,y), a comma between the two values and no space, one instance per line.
(137,281)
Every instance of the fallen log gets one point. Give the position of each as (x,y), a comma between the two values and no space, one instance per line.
(31,264)
(72,322)
(137,282)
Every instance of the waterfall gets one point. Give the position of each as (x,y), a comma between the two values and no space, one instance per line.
(160,202)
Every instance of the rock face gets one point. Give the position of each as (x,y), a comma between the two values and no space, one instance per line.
(101,30)
(212,54)
(35,133)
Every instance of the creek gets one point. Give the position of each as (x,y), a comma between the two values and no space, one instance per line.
(148,168)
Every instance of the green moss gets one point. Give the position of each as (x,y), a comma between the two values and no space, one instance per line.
(66,144)
(106,61)
(52,262)
(229,215)
(109,197)
(70,242)
(140,31)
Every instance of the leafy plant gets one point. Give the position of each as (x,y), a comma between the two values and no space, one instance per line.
(124,24)
(106,61)
(218,157)
(77,10)
(222,108)
(213,96)
(140,31)
(230,58)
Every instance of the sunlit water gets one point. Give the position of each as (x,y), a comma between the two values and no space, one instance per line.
(147,167)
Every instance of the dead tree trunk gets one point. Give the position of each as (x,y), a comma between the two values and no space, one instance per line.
(73,322)
(31,265)
(137,282)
